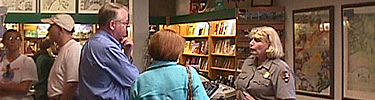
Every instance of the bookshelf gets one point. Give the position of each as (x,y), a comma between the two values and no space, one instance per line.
(33,30)
(217,42)
(34,33)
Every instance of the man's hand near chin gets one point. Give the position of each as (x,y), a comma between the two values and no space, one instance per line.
(127,45)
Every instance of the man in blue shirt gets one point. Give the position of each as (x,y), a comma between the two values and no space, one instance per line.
(106,73)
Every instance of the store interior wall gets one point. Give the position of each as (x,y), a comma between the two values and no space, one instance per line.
(291,5)
(139,18)
(124,2)
(163,7)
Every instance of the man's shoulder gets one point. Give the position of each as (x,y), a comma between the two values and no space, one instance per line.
(74,46)
(100,38)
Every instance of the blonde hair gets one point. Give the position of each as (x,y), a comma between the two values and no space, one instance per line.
(275,49)
(166,45)
(108,12)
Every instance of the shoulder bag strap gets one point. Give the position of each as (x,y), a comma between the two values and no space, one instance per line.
(190,84)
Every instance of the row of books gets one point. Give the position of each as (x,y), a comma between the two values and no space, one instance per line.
(224,62)
(198,29)
(198,62)
(225,46)
(196,47)
(225,28)
(41,30)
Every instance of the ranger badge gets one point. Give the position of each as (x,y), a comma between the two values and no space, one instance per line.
(285,76)
(267,75)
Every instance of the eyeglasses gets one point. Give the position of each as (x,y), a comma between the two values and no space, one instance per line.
(13,38)
(124,23)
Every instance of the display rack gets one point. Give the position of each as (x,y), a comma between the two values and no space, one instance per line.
(217,42)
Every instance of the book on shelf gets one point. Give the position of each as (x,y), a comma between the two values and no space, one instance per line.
(225,46)
(198,62)
(196,47)
(225,28)
(198,29)
(201,29)
(191,30)
(187,47)
(222,62)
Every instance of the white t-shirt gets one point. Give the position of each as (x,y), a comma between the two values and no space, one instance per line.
(65,68)
(21,69)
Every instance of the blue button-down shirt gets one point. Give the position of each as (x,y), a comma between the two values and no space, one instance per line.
(105,72)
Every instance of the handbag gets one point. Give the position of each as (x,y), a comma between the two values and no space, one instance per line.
(190,84)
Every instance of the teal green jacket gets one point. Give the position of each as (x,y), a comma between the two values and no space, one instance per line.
(166,81)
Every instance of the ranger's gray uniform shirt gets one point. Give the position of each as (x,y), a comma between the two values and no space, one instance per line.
(269,81)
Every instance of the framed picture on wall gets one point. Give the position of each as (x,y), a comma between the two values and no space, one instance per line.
(57,6)
(92,6)
(259,3)
(19,6)
(313,51)
(358,29)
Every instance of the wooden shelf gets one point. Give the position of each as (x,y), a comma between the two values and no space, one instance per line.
(223,69)
(217,54)
(192,54)
(195,36)
(223,36)
(201,70)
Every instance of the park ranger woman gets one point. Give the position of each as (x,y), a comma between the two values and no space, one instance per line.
(264,75)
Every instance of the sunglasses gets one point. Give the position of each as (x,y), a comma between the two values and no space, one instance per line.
(13,38)
(7,73)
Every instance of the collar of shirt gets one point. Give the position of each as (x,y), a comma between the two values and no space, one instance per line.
(161,64)
(266,65)
(109,36)
(67,44)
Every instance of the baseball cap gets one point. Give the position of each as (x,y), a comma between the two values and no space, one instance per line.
(63,20)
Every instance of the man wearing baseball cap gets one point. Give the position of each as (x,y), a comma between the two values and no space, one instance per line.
(63,77)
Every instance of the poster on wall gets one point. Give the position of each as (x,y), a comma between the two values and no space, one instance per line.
(313,50)
(92,6)
(359,50)
(19,6)
(57,6)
